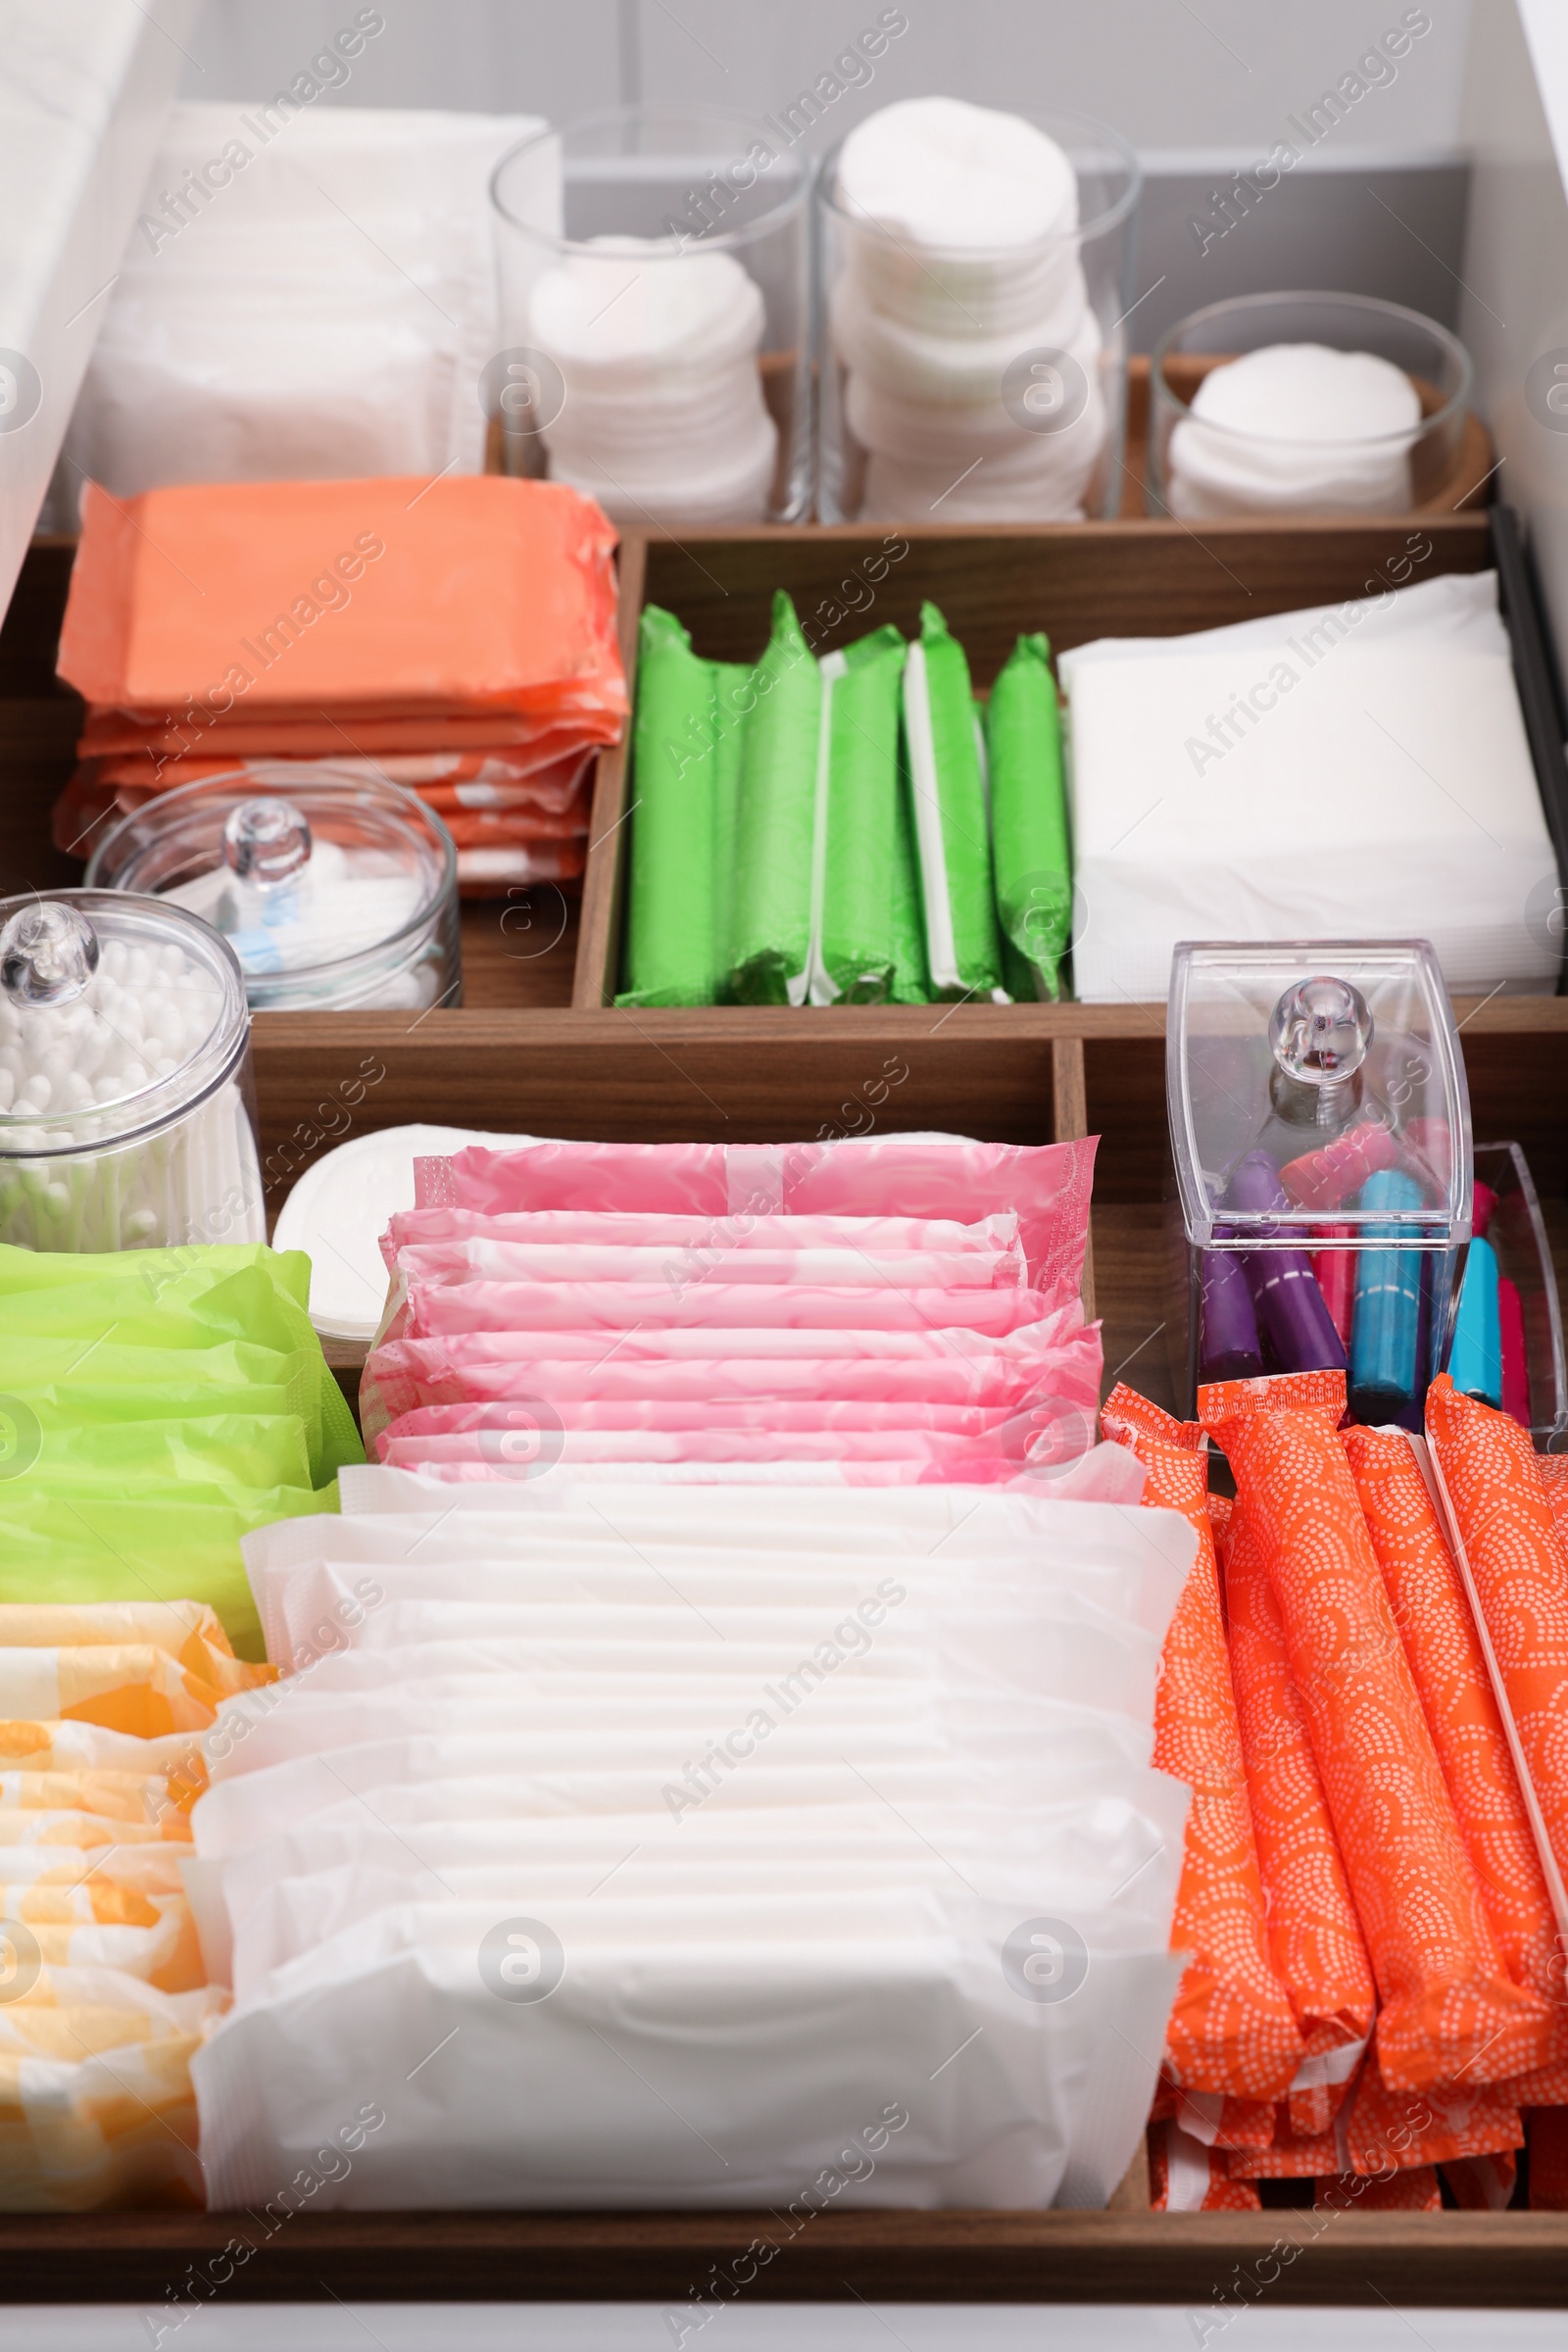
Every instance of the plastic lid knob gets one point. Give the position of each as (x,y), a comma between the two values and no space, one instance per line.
(48,955)
(1320,1031)
(266,841)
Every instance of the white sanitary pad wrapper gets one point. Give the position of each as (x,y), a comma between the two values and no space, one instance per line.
(1351,772)
(324,304)
(759,1833)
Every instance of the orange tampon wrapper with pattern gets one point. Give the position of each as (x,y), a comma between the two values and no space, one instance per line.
(1232,2029)
(1450,2010)
(1404,2128)
(1438,1628)
(1518,1557)
(1313,1932)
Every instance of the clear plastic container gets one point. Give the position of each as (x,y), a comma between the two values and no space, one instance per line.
(656,316)
(127,1110)
(981,381)
(337,891)
(1202,467)
(1517,1233)
(1321,1191)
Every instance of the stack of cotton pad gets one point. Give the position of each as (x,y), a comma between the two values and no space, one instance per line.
(965,260)
(664,418)
(660,1849)
(1296,425)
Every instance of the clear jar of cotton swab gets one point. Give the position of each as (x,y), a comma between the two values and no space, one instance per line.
(127,1100)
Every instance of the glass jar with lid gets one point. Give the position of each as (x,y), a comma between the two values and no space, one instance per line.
(335,890)
(127,1114)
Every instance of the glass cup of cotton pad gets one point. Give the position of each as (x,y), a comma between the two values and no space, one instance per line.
(1308,403)
(334,890)
(128,1110)
(975,278)
(655,304)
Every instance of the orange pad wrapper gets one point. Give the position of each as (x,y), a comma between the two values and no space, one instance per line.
(1546,2137)
(1313,1932)
(1519,1560)
(1232,2029)
(386,597)
(1448,2009)
(1291,2155)
(1432,1610)
(1184,2176)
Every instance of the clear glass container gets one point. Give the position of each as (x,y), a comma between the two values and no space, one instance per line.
(983,382)
(334,890)
(1203,462)
(128,1110)
(1517,1233)
(1320,1196)
(656,309)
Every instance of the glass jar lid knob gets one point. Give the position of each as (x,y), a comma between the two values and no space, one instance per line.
(266,841)
(1320,1031)
(48,955)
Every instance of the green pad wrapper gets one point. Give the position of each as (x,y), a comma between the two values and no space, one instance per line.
(963,948)
(771,939)
(671,956)
(856,944)
(1030,840)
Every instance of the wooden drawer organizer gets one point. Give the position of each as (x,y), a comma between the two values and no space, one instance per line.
(535,1049)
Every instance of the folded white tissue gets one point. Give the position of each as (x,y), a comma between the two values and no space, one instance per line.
(842,1877)
(1296,425)
(1353,771)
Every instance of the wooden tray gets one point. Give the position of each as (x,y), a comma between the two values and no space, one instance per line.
(517,1055)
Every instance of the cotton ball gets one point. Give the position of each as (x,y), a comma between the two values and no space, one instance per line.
(112,962)
(139,969)
(8,1088)
(132,1077)
(35,1094)
(77,1091)
(109,1088)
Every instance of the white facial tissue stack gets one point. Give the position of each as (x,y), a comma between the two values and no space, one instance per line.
(664,418)
(677,1848)
(1295,427)
(1354,771)
(306,295)
(961,257)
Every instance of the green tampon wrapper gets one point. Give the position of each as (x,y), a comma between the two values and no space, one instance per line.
(770,937)
(1030,840)
(730,693)
(856,948)
(963,948)
(670,949)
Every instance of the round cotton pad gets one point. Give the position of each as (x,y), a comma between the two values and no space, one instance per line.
(938,172)
(1296,424)
(339,1209)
